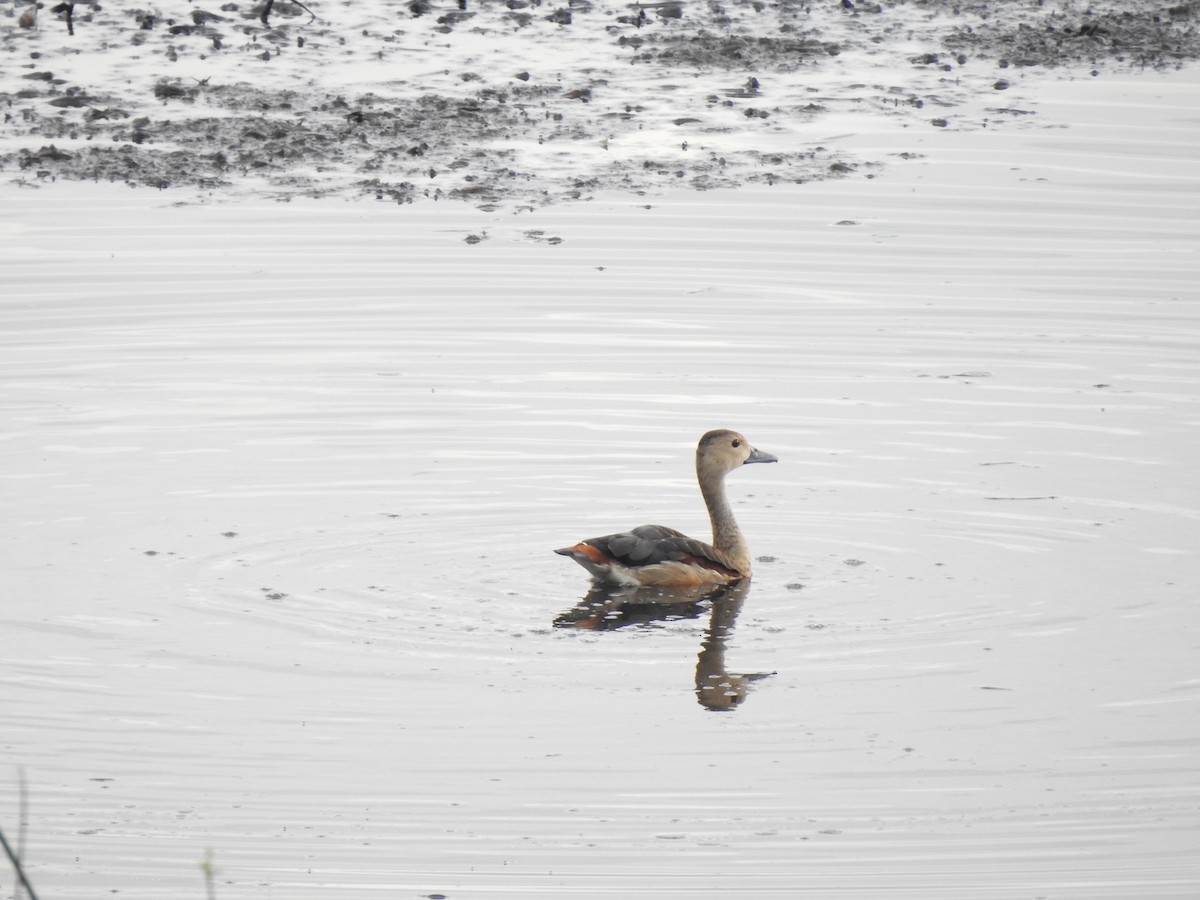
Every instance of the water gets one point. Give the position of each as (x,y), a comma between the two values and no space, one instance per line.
(282,483)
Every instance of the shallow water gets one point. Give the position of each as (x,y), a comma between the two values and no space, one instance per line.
(282,482)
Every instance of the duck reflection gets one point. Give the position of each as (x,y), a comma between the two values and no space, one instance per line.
(606,607)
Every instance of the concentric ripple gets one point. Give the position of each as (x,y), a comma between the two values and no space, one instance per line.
(283,485)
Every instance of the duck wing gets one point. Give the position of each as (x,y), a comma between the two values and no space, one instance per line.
(650,545)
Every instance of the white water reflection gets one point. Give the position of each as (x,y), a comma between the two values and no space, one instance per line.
(282,511)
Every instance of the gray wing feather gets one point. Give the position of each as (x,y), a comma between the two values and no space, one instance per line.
(648,545)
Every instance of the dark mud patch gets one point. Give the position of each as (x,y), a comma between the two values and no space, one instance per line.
(730,51)
(1157,37)
(409,101)
(291,142)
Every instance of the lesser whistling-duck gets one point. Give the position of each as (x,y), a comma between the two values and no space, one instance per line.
(656,555)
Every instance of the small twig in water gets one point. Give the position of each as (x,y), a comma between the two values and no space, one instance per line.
(16,863)
(210,871)
(22,820)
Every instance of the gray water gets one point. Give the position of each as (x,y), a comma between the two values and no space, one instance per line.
(282,482)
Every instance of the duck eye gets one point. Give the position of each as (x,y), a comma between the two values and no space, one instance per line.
(736,442)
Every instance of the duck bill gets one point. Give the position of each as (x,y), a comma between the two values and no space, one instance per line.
(757,455)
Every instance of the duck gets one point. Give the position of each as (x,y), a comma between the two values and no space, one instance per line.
(657,555)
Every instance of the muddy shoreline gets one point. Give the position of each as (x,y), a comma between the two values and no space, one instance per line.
(523,102)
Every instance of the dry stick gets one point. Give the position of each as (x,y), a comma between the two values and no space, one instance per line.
(69,8)
(209,870)
(12,858)
(22,819)
(267,12)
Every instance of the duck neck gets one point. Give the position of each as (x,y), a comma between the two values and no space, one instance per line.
(727,537)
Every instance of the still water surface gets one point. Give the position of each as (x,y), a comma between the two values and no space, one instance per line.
(282,484)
